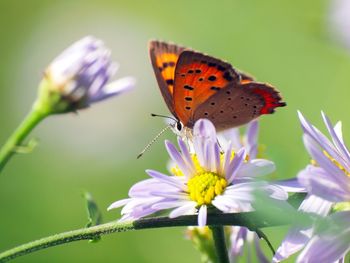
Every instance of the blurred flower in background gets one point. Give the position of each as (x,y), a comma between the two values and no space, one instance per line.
(79,77)
(241,236)
(328,183)
(300,234)
(339,21)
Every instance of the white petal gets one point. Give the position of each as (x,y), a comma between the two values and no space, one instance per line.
(168,204)
(189,208)
(316,205)
(118,203)
(202,216)
(120,85)
(290,185)
(256,167)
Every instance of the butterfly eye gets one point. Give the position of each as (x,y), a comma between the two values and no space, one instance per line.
(179,126)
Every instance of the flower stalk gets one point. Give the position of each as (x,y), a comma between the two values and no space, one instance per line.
(29,123)
(251,220)
(220,244)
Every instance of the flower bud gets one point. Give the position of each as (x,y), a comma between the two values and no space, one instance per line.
(79,77)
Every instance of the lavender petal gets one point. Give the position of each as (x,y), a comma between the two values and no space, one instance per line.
(177,158)
(256,167)
(333,171)
(186,154)
(290,185)
(336,140)
(234,166)
(252,139)
(319,182)
(167,179)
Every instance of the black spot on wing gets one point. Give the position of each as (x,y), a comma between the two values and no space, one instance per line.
(170,81)
(215,88)
(188,87)
(212,78)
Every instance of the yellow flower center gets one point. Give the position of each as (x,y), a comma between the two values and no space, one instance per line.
(343,206)
(204,187)
(175,170)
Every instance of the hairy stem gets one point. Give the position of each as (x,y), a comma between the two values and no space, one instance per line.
(17,137)
(252,220)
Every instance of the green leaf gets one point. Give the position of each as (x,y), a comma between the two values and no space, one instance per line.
(93,213)
(27,148)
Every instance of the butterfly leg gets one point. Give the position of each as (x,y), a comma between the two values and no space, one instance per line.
(221,149)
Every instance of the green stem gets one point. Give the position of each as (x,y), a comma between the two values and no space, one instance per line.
(251,220)
(17,137)
(220,244)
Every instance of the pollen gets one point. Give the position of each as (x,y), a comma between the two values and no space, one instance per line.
(336,163)
(175,170)
(205,186)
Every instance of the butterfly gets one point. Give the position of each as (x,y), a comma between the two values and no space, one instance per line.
(195,85)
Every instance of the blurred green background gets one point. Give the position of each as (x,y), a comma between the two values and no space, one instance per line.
(286,43)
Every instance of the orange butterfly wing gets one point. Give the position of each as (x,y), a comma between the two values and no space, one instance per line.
(164,57)
(197,86)
(197,78)
(238,105)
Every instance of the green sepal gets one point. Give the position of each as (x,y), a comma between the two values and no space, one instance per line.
(50,98)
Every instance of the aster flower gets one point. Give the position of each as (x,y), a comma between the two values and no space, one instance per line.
(300,233)
(328,180)
(206,179)
(331,242)
(79,77)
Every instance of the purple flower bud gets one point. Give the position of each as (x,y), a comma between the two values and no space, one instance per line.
(79,76)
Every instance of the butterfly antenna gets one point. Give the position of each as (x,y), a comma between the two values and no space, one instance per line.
(153,140)
(163,116)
